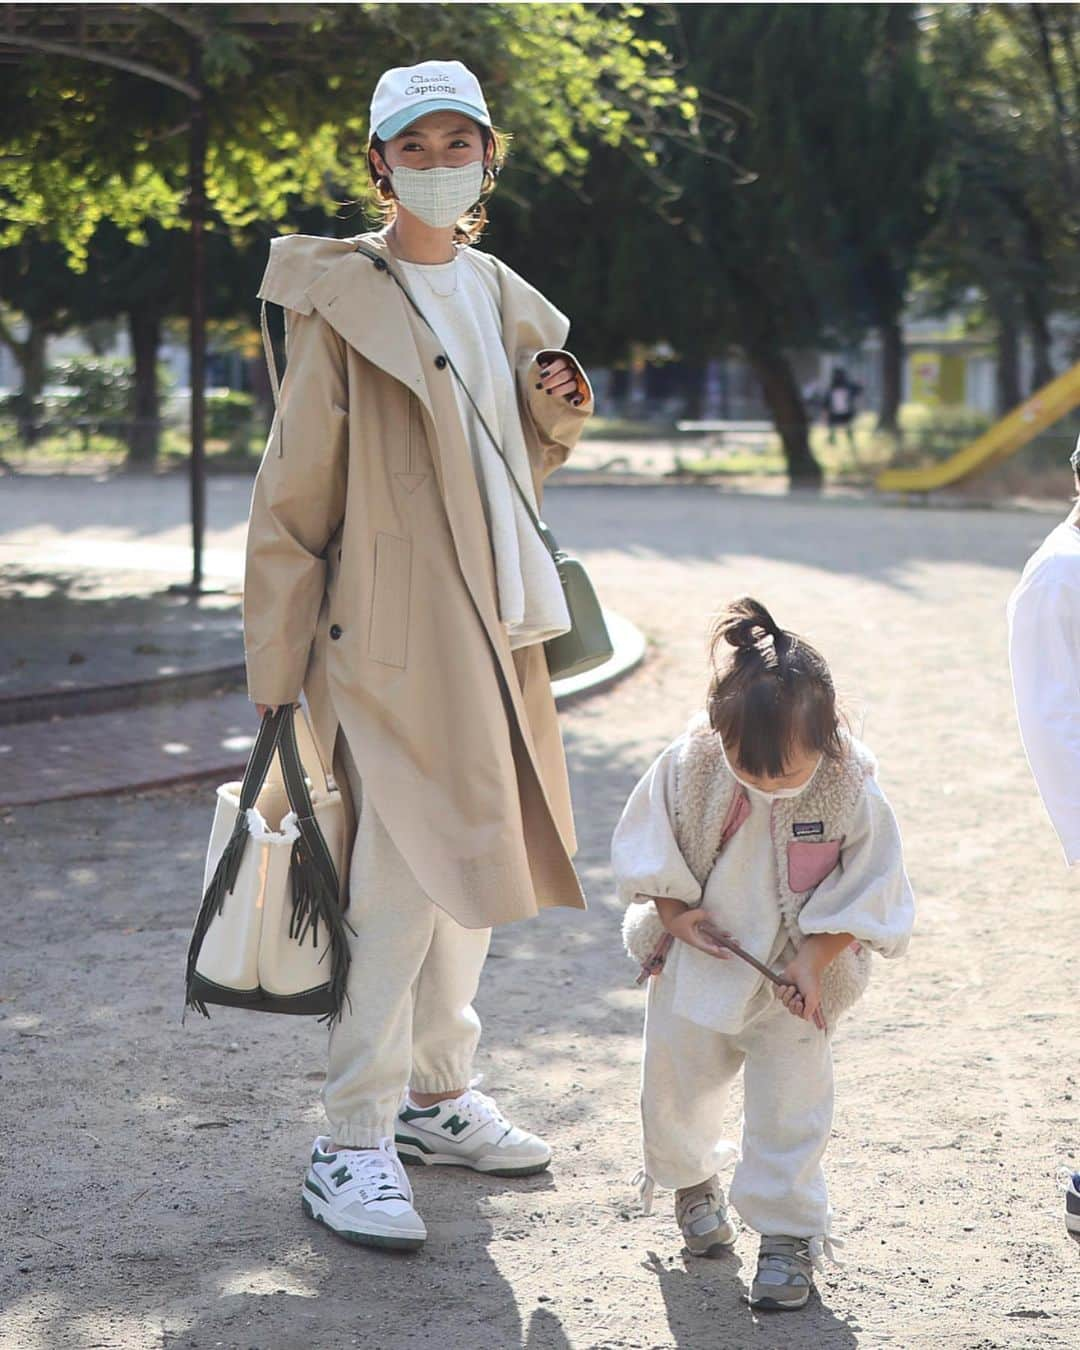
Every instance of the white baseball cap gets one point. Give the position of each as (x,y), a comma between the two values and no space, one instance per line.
(407,93)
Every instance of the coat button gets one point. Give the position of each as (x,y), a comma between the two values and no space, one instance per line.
(380,265)
(335,631)
(440,363)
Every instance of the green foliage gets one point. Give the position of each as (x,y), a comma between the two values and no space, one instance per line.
(95,395)
(96,388)
(287,113)
(1007,91)
(230,417)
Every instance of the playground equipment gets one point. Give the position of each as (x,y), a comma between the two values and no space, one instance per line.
(1045,407)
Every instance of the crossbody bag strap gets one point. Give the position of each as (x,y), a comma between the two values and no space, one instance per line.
(271,369)
(547,538)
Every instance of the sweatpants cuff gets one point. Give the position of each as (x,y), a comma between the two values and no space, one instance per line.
(446,1080)
(365,1128)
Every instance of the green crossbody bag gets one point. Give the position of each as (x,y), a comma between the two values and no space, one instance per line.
(588,642)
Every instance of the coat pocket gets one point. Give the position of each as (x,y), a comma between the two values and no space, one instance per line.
(388,638)
(810,863)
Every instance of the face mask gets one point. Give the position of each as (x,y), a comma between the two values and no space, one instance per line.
(438,197)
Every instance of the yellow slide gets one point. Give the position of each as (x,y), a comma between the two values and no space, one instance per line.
(1045,407)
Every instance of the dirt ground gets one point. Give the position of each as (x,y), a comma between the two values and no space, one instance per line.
(152,1170)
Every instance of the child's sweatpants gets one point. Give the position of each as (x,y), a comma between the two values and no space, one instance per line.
(413,977)
(778,1186)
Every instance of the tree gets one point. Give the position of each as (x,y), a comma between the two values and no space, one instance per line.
(1007,90)
(817,243)
(284,96)
(287,95)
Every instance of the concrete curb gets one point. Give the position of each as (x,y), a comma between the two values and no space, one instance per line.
(63,757)
(101,698)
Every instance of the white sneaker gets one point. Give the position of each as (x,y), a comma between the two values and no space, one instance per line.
(362,1194)
(469,1131)
(1072,1204)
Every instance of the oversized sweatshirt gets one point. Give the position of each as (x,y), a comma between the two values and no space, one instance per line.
(841,878)
(1044,653)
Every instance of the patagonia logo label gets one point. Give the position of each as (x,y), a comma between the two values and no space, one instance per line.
(806,828)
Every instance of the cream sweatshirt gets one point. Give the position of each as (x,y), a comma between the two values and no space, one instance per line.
(463,310)
(867,895)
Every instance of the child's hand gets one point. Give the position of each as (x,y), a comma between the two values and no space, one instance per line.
(690,926)
(801,992)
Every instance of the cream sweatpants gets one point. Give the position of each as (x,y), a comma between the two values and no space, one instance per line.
(413,977)
(778,1186)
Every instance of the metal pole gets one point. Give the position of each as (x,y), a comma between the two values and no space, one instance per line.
(197,336)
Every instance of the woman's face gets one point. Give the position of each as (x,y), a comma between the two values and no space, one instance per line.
(441,140)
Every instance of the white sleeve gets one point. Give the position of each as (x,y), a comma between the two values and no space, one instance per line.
(645,855)
(868,894)
(1044,653)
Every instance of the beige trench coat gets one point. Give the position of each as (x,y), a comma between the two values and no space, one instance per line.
(370,582)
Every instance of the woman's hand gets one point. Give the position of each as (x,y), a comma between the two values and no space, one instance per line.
(559,378)
(690,926)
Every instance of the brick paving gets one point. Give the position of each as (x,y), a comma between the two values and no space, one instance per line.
(85,611)
(133,748)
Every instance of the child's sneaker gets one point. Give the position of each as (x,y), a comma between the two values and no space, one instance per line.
(363,1195)
(785,1273)
(1072,1204)
(469,1131)
(702,1216)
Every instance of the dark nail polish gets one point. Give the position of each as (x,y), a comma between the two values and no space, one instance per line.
(549,391)
(539,385)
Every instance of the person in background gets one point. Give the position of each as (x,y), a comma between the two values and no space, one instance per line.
(1044,655)
(840,405)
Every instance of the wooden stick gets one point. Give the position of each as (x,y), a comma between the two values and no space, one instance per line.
(733,946)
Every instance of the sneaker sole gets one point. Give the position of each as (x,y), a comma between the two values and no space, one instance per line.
(409,1153)
(404,1244)
(780,1305)
(717,1245)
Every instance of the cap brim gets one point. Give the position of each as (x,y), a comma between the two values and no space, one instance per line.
(394,126)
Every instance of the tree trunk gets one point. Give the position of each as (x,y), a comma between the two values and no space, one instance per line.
(32,360)
(695,375)
(145,327)
(892,375)
(1043,370)
(1008,364)
(781,392)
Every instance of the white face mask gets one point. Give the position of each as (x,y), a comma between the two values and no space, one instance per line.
(438,197)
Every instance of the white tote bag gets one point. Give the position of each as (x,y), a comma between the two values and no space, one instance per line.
(270,934)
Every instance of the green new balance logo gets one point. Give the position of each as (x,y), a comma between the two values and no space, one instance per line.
(341,1175)
(455,1125)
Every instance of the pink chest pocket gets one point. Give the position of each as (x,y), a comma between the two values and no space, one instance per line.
(810,863)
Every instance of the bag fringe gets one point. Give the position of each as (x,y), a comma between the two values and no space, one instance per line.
(213,902)
(314,901)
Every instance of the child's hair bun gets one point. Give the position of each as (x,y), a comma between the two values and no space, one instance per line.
(745,623)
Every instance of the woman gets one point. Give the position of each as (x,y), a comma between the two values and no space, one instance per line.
(393,574)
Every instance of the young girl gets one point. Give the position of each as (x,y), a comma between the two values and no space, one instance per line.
(394,575)
(762,824)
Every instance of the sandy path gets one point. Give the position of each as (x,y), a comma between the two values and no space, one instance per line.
(149,1205)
